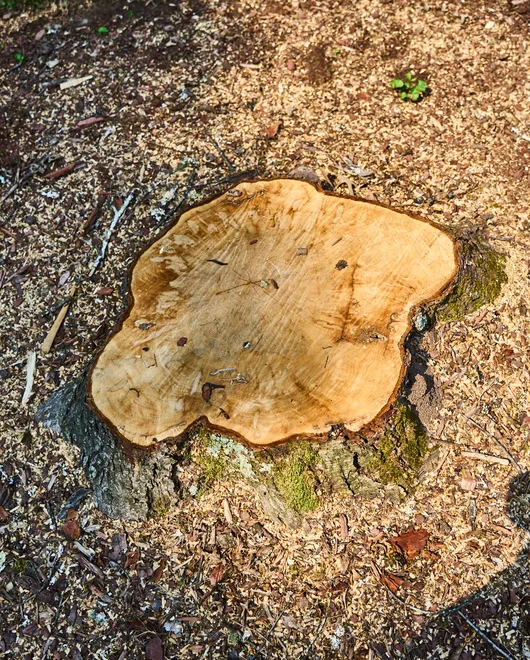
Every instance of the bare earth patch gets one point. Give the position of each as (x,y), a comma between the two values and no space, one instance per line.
(180,102)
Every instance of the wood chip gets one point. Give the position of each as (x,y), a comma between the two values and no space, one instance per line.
(74,82)
(227,512)
(85,123)
(30,372)
(62,171)
(50,337)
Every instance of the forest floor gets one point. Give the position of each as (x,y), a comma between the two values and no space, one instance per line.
(172,102)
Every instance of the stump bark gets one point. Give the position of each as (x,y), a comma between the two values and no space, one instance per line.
(272,313)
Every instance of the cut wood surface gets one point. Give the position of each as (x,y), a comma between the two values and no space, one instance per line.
(274,311)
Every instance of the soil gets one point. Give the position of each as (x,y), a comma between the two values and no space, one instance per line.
(190,97)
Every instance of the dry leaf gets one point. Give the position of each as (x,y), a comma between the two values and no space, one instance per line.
(273,130)
(71,530)
(131,559)
(154,649)
(411,543)
(3,513)
(393,582)
(159,570)
(217,574)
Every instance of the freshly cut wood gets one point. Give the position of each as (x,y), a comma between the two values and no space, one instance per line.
(274,312)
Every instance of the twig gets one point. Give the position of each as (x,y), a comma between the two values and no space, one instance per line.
(117,215)
(53,570)
(50,337)
(319,629)
(485,637)
(221,152)
(271,630)
(520,133)
(498,442)
(172,211)
(32,363)
(485,457)
(418,610)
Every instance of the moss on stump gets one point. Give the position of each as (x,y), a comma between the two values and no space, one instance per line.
(480,279)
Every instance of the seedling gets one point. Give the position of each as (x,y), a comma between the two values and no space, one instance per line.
(19,58)
(103,30)
(409,87)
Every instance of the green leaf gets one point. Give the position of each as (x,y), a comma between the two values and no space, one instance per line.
(403,95)
(414,96)
(421,86)
(19,57)
(396,83)
(103,30)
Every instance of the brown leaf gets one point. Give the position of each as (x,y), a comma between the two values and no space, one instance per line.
(71,514)
(131,559)
(105,291)
(468,482)
(217,574)
(3,513)
(159,570)
(85,123)
(411,543)
(273,130)
(155,649)
(71,530)
(62,171)
(393,582)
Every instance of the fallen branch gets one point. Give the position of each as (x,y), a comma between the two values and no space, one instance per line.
(117,215)
(485,637)
(487,458)
(30,372)
(498,442)
(50,337)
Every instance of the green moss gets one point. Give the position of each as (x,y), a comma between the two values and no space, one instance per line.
(160,508)
(219,456)
(401,451)
(480,280)
(213,467)
(20,565)
(294,479)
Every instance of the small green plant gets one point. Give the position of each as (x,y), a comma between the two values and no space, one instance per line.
(103,30)
(409,87)
(19,58)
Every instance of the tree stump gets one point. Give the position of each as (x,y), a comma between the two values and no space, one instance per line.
(272,314)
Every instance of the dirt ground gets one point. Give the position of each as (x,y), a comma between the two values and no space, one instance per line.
(185,98)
